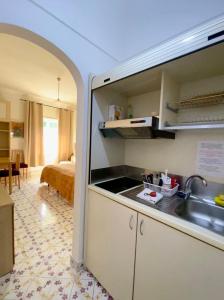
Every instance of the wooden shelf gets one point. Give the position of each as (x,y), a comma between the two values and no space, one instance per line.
(4,141)
(4,126)
(4,160)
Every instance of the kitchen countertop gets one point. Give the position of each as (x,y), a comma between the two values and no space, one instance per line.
(189,228)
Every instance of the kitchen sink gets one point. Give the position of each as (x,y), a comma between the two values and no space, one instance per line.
(201,213)
(195,210)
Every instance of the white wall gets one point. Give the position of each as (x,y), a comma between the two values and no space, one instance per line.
(105,152)
(145,104)
(73,133)
(178,156)
(68,46)
(124,28)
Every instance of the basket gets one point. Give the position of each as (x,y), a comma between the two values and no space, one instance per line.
(160,189)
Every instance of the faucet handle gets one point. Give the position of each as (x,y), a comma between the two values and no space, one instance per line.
(185,194)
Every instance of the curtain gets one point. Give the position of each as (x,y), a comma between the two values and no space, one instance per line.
(34,154)
(65,142)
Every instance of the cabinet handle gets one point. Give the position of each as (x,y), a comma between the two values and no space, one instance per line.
(131,225)
(141,227)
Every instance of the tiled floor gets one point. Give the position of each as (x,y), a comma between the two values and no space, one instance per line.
(43,241)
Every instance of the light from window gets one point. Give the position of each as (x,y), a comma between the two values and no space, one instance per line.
(50,136)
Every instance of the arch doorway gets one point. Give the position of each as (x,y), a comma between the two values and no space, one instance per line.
(42,257)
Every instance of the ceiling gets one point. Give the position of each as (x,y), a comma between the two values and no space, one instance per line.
(32,70)
(124,28)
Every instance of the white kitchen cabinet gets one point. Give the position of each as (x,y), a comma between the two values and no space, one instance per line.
(171,265)
(192,95)
(110,244)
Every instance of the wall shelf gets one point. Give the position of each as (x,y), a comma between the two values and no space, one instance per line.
(194,125)
(4,139)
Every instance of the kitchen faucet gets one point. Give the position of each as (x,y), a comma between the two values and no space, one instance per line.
(188,183)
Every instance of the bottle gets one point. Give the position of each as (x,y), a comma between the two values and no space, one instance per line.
(166,180)
(173,182)
(156,179)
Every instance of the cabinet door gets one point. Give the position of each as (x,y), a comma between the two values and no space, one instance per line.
(110,244)
(6,239)
(171,265)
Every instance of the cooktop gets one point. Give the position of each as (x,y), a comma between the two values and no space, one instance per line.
(119,184)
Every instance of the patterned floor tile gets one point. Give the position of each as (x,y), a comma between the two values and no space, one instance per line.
(14,287)
(49,289)
(100,293)
(43,246)
(82,290)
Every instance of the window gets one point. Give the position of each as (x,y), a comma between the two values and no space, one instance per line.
(50,135)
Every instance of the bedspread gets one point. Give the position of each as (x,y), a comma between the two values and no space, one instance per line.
(62,178)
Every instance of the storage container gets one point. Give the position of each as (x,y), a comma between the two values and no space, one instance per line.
(160,189)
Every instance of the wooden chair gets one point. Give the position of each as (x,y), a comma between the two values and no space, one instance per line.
(15,172)
(23,165)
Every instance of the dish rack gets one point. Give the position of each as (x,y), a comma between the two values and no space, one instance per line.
(203,100)
(162,190)
(197,101)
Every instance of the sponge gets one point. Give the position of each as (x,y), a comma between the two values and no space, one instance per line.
(219,200)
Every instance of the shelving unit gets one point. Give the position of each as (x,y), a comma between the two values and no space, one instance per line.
(5,161)
(192,95)
(192,91)
(4,140)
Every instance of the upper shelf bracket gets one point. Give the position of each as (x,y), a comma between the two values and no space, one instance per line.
(169,107)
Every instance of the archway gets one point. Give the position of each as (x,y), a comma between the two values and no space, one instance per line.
(48,46)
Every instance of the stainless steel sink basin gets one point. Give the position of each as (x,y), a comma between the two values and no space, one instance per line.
(195,210)
(201,213)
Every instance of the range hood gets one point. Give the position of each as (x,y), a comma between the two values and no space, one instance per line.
(138,128)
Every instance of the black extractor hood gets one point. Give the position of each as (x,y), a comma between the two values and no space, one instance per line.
(138,128)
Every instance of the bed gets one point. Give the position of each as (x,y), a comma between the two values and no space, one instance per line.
(62,178)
